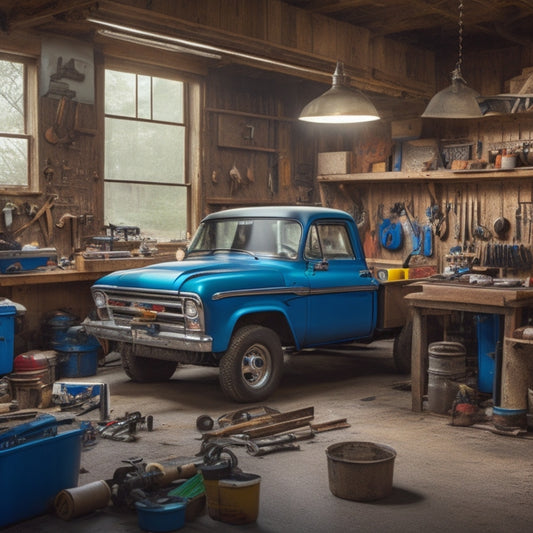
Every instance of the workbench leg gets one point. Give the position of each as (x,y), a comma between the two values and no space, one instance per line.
(517,375)
(418,359)
(512,392)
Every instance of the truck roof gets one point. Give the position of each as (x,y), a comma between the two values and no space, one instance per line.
(302,213)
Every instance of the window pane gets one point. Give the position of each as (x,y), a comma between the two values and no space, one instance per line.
(133,204)
(335,241)
(120,93)
(141,151)
(144,100)
(168,100)
(13,161)
(11,97)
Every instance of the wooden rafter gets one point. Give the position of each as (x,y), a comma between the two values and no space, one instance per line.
(25,15)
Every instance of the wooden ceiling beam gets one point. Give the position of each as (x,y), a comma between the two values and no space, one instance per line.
(25,17)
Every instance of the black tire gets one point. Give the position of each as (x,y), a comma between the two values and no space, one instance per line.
(252,367)
(401,350)
(145,369)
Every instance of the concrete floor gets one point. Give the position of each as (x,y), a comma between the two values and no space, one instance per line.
(446,478)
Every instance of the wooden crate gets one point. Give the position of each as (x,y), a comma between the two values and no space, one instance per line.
(335,163)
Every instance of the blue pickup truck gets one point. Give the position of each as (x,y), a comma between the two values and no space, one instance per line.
(255,283)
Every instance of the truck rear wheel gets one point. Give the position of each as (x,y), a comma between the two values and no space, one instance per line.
(252,367)
(145,369)
(401,350)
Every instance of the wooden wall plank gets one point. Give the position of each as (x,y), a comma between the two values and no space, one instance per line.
(307,40)
(324,36)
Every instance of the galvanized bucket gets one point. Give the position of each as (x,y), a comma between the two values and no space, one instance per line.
(447,368)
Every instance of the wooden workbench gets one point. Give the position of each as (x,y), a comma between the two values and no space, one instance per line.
(42,292)
(437,297)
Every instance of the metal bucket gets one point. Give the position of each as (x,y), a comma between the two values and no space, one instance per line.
(360,471)
(447,368)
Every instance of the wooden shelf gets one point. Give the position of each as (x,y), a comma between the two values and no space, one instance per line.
(433,175)
(251,148)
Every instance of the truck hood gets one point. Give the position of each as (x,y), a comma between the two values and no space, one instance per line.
(201,275)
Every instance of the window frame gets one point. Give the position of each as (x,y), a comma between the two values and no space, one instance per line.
(31,124)
(191,119)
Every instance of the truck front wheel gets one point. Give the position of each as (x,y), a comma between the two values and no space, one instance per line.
(252,367)
(145,369)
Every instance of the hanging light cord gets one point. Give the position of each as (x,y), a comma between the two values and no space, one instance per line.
(461,25)
(456,74)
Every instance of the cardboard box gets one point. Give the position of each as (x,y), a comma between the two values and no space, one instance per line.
(406,129)
(335,163)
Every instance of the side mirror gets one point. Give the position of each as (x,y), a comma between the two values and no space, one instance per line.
(323,265)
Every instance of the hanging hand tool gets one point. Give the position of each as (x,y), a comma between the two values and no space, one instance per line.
(529,220)
(45,209)
(52,134)
(457,214)
(501,224)
(74,230)
(427,231)
(444,222)
(442,229)
(479,231)
(466,229)
(390,230)
(414,230)
(518,218)
(7,211)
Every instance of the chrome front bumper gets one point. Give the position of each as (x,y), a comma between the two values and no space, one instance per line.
(146,335)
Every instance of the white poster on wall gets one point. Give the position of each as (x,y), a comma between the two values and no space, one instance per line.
(67,69)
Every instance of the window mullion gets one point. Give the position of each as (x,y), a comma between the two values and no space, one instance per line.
(151,98)
(136,96)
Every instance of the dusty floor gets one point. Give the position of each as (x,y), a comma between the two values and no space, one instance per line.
(446,478)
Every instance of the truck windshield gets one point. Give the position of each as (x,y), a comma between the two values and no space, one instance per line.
(262,236)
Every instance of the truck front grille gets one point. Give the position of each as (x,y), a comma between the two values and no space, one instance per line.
(127,307)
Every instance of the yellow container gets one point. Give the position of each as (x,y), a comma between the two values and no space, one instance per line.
(234,500)
(392,274)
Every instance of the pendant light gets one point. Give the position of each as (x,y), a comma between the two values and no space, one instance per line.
(341,104)
(457,100)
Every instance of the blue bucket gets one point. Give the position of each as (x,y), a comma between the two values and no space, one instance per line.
(166,517)
(57,326)
(78,354)
(509,418)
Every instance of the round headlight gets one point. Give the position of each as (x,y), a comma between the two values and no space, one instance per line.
(99,298)
(191,310)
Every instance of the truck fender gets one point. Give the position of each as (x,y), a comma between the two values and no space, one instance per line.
(270,316)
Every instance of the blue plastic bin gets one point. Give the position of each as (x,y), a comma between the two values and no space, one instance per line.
(31,474)
(7,337)
(488,334)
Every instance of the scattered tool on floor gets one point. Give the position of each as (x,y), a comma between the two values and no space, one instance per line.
(125,428)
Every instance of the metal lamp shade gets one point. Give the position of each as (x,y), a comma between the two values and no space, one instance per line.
(456,101)
(341,104)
